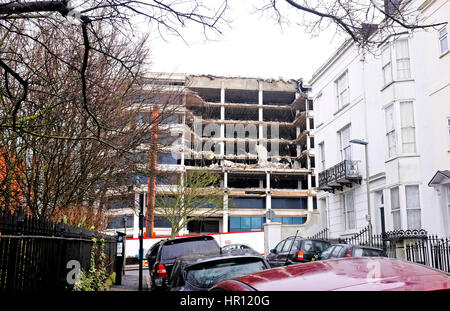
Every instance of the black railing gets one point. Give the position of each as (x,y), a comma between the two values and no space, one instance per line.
(432,251)
(340,174)
(36,254)
(416,246)
(321,235)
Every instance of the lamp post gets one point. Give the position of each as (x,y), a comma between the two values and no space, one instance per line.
(362,142)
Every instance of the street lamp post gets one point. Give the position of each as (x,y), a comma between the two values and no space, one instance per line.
(369,218)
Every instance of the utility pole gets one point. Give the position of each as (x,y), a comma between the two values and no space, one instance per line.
(151,191)
(141,237)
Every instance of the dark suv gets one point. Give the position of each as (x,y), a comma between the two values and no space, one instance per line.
(347,250)
(200,273)
(163,254)
(296,250)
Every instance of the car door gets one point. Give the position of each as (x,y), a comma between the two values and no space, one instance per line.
(289,246)
(272,256)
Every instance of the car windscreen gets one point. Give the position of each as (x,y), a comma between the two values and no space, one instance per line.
(171,252)
(364,252)
(206,276)
(326,253)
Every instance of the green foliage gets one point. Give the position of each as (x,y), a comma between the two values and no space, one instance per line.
(81,223)
(97,278)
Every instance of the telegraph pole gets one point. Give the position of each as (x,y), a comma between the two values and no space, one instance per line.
(141,237)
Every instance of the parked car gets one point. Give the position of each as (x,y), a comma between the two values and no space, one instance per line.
(295,250)
(347,250)
(343,274)
(162,256)
(229,247)
(200,273)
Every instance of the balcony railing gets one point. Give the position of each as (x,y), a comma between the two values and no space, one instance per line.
(345,173)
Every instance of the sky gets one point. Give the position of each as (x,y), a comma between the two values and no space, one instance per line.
(253,46)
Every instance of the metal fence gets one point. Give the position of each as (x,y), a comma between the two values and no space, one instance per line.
(34,253)
(412,245)
(321,235)
(432,251)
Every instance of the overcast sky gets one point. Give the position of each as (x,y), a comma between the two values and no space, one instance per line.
(253,46)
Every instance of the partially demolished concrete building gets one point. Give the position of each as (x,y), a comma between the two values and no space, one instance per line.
(258,134)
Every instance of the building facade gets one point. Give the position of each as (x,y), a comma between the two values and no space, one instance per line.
(397,101)
(258,134)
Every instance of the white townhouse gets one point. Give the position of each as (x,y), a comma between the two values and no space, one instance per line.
(397,100)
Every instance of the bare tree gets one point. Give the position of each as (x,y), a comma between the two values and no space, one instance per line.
(195,197)
(358,19)
(54,158)
(73,95)
(28,20)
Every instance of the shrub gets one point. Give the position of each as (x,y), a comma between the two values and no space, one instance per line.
(97,278)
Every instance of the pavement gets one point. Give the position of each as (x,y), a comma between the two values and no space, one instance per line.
(130,280)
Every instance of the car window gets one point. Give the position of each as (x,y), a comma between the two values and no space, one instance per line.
(336,251)
(326,253)
(206,276)
(287,246)
(307,246)
(203,247)
(174,275)
(357,252)
(279,247)
(364,252)
(320,246)
(153,250)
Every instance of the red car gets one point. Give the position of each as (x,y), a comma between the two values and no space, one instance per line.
(343,274)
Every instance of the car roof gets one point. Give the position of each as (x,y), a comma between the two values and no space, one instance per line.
(348,274)
(187,239)
(192,260)
(306,239)
(359,246)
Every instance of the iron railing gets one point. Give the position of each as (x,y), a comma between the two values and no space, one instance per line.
(432,251)
(321,235)
(341,172)
(415,245)
(34,253)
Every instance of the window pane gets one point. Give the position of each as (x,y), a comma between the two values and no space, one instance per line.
(408,138)
(385,55)
(406,114)
(412,197)
(235,222)
(402,54)
(414,221)
(396,220)
(444,45)
(403,70)
(256,222)
(350,211)
(390,122)
(401,49)
(245,222)
(395,202)
(345,144)
(392,143)
(387,74)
